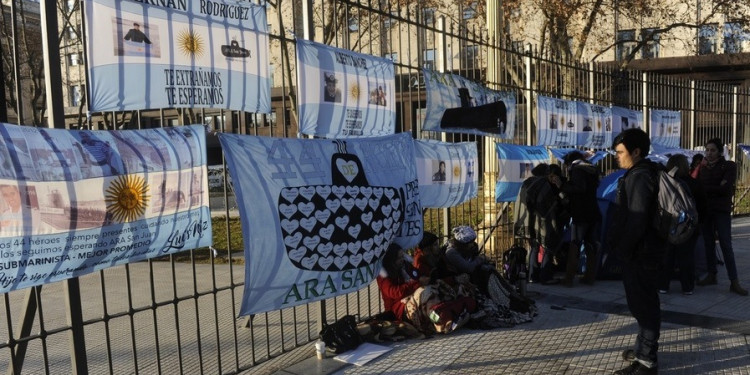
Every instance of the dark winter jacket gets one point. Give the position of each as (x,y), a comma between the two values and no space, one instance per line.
(719,194)
(540,213)
(631,234)
(581,191)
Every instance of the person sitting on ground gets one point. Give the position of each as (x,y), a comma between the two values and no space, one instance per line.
(430,308)
(429,258)
(462,256)
(683,254)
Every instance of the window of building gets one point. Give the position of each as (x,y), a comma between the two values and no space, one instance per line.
(393,56)
(71,33)
(650,39)
(391,20)
(429,59)
(734,36)
(428,15)
(517,45)
(470,57)
(75,94)
(707,39)
(70,5)
(625,44)
(75,59)
(470,11)
(353,23)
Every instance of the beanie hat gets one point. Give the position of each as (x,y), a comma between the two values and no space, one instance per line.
(464,234)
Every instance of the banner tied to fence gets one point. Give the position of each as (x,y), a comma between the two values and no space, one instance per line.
(624,118)
(514,165)
(448,172)
(77,201)
(317,215)
(177,54)
(458,105)
(665,128)
(557,122)
(344,94)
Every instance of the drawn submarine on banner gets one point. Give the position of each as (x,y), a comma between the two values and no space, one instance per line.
(489,118)
(234,50)
(346,225)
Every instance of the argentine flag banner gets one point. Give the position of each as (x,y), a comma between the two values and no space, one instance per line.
(317,215)
(557,122)
(78,201)
(594,126)
(665,128)
(344,94)
(458,105)
(745,149)
(447,172)
(623,119)
(515,165)
(177,54)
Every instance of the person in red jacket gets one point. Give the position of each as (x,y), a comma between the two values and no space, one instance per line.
(397,280)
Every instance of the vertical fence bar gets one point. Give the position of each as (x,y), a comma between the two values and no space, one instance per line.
(691,141)
(646,120)
(528,92)
(735,110)
(52,70)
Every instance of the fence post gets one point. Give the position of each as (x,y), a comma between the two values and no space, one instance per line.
(441,60)
(735,110)
(646,120)
(591,82)
(52,74)
(691,143)
(307,20)
(78,360)
(527,91)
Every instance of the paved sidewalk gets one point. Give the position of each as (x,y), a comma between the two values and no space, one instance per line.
(583,330)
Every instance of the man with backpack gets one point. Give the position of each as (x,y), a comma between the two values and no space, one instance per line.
(639,246)
(583,179)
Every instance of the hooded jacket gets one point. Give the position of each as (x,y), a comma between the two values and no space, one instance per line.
(581,190)
(710,177)
(540,213)
(631,233)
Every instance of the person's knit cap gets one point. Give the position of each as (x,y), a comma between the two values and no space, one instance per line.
(427,240)
(464,234)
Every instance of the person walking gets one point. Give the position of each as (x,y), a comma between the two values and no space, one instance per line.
(583,180)
(638,246)
(718,177)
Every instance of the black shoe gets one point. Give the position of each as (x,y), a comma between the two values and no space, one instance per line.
(637,368)
(709,280)
(628,355)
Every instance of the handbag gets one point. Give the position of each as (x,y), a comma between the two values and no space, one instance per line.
(342,335)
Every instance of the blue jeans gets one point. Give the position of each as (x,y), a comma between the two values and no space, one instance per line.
(640,282)
(719,223)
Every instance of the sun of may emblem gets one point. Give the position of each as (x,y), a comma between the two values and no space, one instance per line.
(127,198)
(456,171)
(190,43)
(354,91)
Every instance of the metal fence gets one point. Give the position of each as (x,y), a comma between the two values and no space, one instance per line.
(179,315)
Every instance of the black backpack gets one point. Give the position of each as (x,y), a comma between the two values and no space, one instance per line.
(514,263)
(676,216)
(342,335)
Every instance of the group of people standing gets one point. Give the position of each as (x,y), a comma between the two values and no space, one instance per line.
(548,201)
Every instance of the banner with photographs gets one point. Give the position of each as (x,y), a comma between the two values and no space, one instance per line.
(665,128)
(458,105)
(594,126)
(592,157)
(317,215)
(623,119)
(515,165)
(344,94)
(78,201)
(177,54)
(447,172)
(556,122)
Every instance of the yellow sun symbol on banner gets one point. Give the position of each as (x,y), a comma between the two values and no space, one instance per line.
(354,91)
(190,43)
(127,198)
(456,171)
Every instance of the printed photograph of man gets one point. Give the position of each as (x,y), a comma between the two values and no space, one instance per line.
(17,215)
(377,94)
(331,92)
(136,35)
(439,175)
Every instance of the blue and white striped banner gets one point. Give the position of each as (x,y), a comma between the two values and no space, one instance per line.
(78,201)
(594,126)
(745,149)
(344,94)
(458,105)
(623,119)
(317,215)
(556,122)
(591,157)
(447,172)
(665,128)
(187,53)
(515,165)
